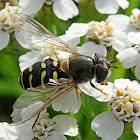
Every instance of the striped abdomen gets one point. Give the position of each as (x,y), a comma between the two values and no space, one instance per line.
(39,74)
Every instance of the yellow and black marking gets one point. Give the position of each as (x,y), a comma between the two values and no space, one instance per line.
(40,73)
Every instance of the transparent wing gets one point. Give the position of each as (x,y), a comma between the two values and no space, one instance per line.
(30,34)
(29,104)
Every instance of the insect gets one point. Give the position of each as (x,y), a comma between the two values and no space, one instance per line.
(49,79)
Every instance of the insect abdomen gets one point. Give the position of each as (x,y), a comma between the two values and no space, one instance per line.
(39,74)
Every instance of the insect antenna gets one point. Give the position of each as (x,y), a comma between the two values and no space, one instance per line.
(114,61)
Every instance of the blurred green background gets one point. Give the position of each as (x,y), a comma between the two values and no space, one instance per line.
(9,67)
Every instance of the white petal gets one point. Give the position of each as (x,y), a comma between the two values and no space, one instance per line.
(134,37)
(66,124)
(107,126)
(30,7)
(136,126)
(123,3)
(4,39)
(29,59)
(89,90)
(137,71)
(56,136)
(90,48)
(122,83)
(72,41)
(8,132)
(119,21)
(68,103)
(129,57)
(106,6)
(120,42)
(65,9)
(77,29)
(26,130)
(135,11)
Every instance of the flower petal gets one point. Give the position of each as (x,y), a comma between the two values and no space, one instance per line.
(65,9)
(135,11)
(77,29)
(8,132)
(90,48)
(136,126)
(26,130)
(56,136)
(107,126)
(72,41)
(29,59)
(137,71)
(89,90)
(129,57)
(123,4)
(4,39)
(134,37)
(66,124)
(122,83)
(106,6)
(120,42)
(30,7)
(68,103)
(119,21)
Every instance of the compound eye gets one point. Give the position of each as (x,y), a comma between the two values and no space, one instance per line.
(101,73)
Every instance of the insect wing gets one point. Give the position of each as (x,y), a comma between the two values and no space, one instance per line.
(31,34)
(29,104)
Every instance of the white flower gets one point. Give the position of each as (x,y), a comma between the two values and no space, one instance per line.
(6,25)
(110,6)
(63,9)
(129,25)
(46,128)
(129,56)
(8,132)
(125,107)
(100,33)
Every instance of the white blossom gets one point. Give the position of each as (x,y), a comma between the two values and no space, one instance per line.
(129,56)
(125,107)
(63,9)
(110,6)
(46,128)
(101,33)
(129,25)
(8,132)
(6,24)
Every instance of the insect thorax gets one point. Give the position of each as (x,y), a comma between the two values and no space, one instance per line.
(80,68)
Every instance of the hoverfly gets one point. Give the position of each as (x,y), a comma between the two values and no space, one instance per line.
(48,80)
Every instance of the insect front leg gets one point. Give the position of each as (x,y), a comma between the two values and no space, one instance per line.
(104,82)
(97,88)
(78,92)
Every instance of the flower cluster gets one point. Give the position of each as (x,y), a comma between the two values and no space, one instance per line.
(125,108)
(6,24)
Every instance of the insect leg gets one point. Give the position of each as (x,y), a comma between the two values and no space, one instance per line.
(55,54)
(78,92)
(104,82)
(35,120)
(97,88)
